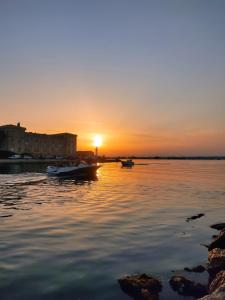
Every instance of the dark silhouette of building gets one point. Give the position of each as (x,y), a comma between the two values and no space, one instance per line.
(16,139)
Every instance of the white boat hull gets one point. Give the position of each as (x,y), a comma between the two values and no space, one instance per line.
(73,171)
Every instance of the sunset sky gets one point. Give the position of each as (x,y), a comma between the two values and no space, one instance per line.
(148,75)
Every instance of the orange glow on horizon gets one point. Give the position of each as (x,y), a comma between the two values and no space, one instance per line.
(121,143)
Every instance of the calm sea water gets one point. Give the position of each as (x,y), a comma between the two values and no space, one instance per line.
(73,240)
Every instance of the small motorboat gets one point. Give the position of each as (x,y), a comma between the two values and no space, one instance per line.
(127,163)
(82,170)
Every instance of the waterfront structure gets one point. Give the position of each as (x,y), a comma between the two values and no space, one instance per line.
(14,138)
(85,154)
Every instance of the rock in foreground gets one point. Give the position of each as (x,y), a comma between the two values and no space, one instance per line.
(219,242)
(218,294)
(197,269)
(218,226)
(218,281)
(141,287)
(194,217)
(186,287)
(216,263)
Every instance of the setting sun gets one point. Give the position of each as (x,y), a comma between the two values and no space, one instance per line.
(97,141)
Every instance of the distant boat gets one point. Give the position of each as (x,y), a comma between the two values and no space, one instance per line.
(127,163)
(83,170)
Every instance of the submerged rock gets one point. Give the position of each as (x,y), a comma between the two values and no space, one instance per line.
(197,269)
(186,287)
(219,226)
(219,242)
(194,217)
(141,287)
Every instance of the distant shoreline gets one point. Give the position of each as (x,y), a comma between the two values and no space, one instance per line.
(111,159)
(178,157)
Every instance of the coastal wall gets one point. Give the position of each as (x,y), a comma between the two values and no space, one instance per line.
(85,154)
(16,139)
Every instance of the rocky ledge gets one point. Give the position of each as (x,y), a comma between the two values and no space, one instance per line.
(144,287)
(141,287)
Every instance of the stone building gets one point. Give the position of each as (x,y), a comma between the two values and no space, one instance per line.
(16,139)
